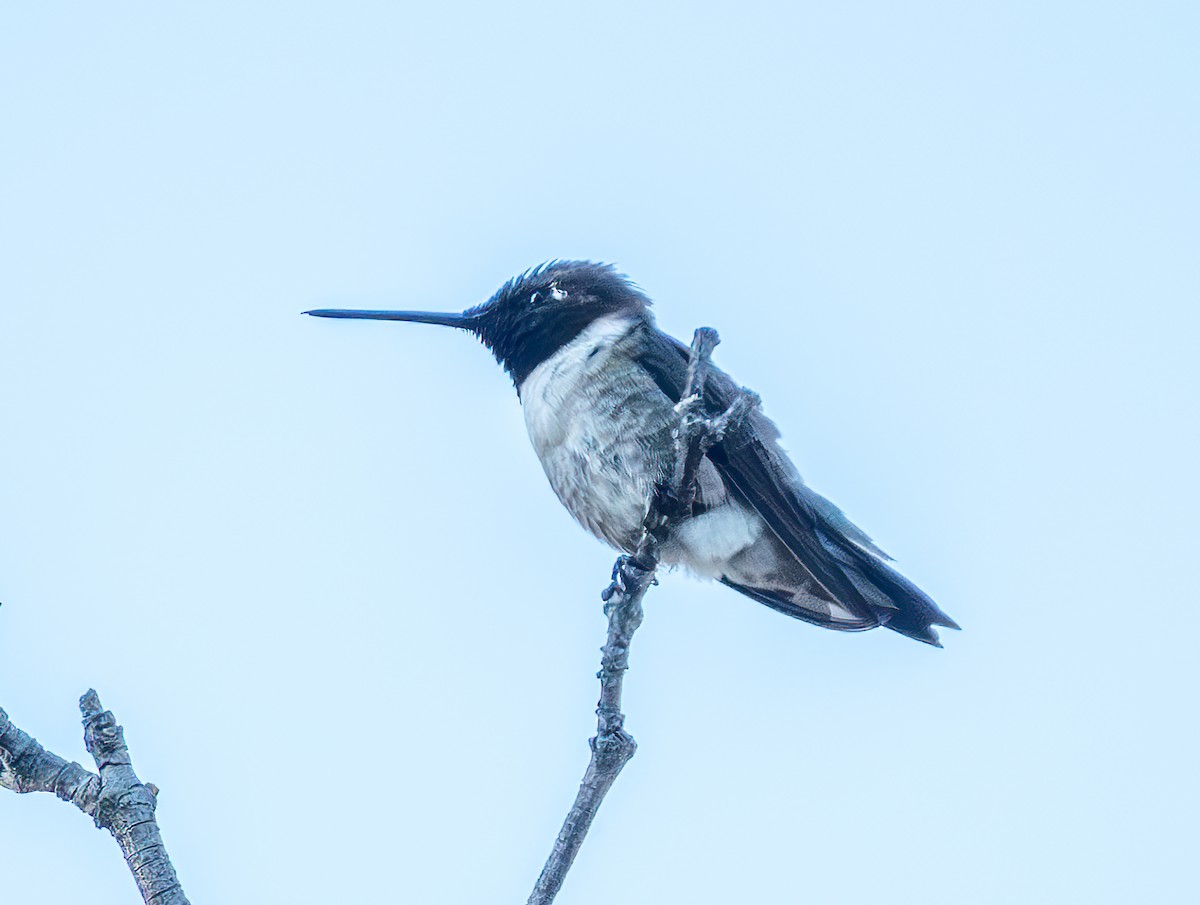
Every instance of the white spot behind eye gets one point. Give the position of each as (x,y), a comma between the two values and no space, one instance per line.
(557,294)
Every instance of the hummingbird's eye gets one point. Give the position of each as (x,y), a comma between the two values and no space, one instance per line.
(533,298)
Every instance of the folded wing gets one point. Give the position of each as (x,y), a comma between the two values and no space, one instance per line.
(848,567)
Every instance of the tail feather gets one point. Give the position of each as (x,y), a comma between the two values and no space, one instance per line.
(786,603)
(881,595)
(899,604)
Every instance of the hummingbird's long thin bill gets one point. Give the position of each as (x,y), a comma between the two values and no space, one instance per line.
(444,319)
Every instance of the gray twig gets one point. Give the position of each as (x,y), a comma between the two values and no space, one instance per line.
(116,799)
(612,746)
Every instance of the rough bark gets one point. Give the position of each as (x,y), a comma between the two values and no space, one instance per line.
(114,797)
(612,747)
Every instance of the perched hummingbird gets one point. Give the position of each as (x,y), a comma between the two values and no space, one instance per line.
(599,383)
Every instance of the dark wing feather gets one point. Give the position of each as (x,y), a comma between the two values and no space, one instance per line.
(839,556)
(781,603)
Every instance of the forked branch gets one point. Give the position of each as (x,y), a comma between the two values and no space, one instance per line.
(115,798)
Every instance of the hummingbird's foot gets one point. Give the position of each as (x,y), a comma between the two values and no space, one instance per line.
(688,405)
(628,574)
(732,418)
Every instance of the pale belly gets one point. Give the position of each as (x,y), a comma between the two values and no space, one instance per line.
(600,430)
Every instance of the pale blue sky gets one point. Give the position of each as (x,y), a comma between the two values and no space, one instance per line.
(954,246)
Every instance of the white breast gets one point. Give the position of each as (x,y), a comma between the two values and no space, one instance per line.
(553,388)
(586,418)
(596,424)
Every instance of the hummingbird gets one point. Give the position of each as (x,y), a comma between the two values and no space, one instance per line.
(599,384)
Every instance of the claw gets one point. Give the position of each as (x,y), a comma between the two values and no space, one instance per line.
(687,404)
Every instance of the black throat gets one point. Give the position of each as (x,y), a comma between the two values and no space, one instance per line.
(534,315)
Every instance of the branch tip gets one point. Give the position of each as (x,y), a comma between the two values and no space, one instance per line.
(89,705)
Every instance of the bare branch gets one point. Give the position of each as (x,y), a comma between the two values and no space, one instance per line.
(119,802)
(116,799)
(692,434)
(612,747)
(25,766)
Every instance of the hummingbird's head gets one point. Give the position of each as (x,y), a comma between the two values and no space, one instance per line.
(535,314)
